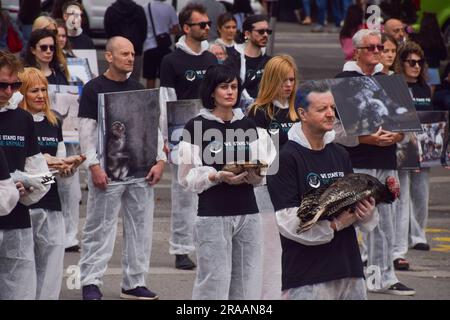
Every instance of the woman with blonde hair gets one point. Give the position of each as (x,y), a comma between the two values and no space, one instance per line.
(274,114)
(46,217)
(48,23)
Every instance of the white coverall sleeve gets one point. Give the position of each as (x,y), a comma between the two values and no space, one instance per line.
(320,233)
(35,165)
(9,195)
(263,149)
(88,140)
(160,155)
(192,175)
(61,151)
(370,224)
(341,137)
(165,94)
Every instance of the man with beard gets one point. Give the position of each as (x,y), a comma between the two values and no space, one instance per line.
(250,59)
(181,73)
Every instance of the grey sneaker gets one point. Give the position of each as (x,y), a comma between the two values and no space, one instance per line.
(317,28)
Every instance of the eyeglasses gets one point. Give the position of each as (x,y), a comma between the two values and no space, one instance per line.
(412,62)
(262,31)
(45,47)
(202,25)
(372,47)
(14,85)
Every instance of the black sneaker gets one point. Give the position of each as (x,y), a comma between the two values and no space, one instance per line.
(75,248)
(399,289)
(139,293)
(422,246)
(183,262)
(91,292)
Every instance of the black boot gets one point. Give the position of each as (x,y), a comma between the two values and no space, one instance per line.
(183,262)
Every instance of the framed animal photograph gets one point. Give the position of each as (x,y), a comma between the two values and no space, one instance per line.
(91,56)
(432,142)
(178,114)
(364,104)
(64,101)
(428,148)
(128,133)
(79,70)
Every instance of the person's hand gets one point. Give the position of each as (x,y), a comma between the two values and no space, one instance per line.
(253,177)
(155,173)
(99,177)
(22,190)
(365,209)
(344,220)
(381,138)
(230,177)
(166,149)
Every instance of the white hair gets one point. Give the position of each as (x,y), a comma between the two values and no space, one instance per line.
(358,37)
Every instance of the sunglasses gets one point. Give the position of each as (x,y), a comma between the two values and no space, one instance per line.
(45,47)
(202,25)
(14,85)
(413,62)
(372,47)
(262,31)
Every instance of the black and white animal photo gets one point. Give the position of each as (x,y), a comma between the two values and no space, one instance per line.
(128,138)
(364,104)
(118,157)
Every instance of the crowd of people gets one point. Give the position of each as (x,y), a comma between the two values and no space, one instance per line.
(242,225)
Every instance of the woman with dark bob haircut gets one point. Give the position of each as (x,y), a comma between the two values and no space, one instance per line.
(227,229)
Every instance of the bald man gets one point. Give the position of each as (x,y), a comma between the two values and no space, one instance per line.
(396,28)
(105,199)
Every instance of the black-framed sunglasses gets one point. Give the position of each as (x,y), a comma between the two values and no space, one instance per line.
(262,31)
(372,47)
(412,63)
(45,47)
(202,25)
(14,85)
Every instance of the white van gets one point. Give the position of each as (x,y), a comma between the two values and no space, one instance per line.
(95,10)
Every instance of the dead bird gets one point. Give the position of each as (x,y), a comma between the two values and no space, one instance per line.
(330,200)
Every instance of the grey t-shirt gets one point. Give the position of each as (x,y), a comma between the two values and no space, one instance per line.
(164,18)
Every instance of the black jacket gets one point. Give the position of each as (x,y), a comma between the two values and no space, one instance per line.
(127,19)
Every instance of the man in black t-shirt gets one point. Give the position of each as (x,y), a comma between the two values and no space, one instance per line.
(323,262)
(249,61)
(182,72)
(105,199)
(375,154)
(21,150)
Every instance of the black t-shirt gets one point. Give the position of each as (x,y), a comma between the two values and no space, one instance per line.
(279,125)
(367,156)
(48,138)
(223,199)
(421,94)
(57,78)
(82,41)
(4,171)
(101,84)
(18,140)
(302,169)
(185,72)
(254,69)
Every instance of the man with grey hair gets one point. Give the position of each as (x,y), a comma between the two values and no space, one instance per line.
(374,154)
